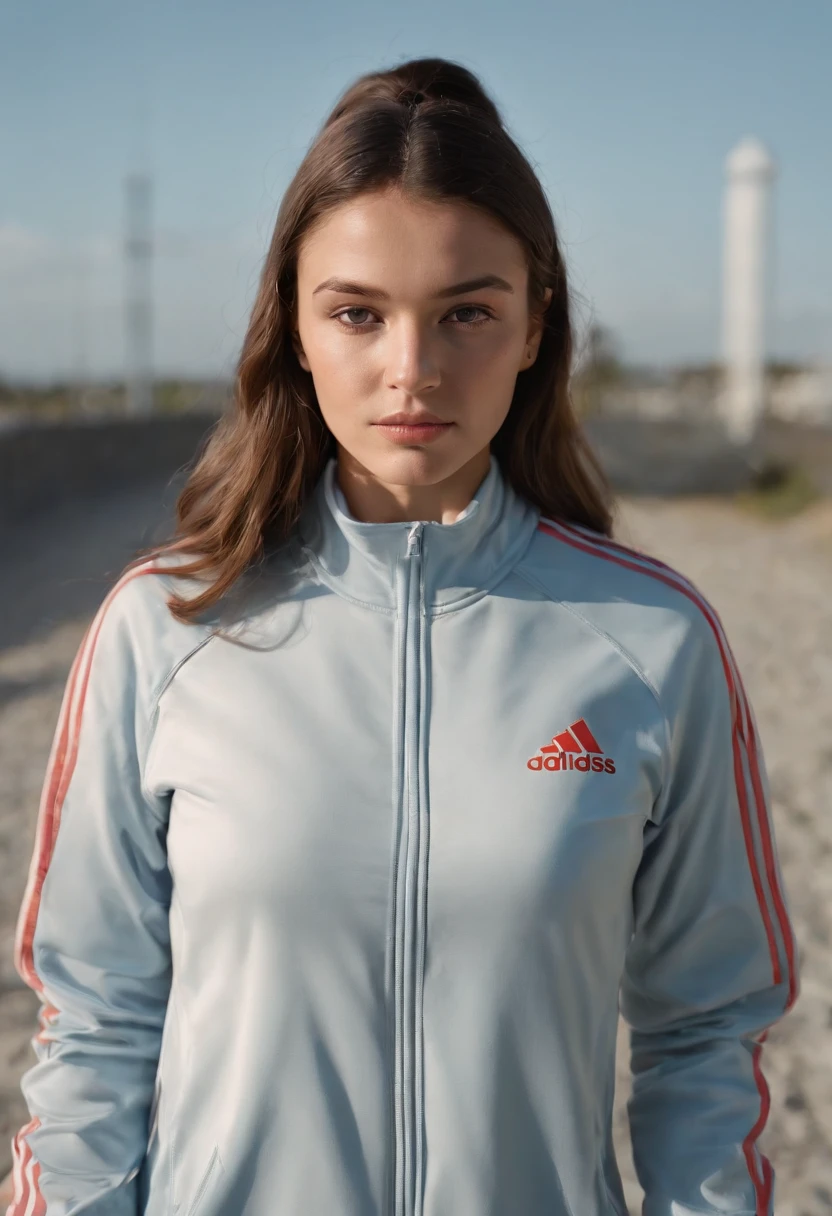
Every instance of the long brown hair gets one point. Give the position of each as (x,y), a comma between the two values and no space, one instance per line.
(429,128)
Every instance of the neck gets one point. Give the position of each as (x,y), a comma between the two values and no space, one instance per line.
(373,501)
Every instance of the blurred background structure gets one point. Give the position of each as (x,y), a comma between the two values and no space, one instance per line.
(685,153)
(745,302)
(138,303)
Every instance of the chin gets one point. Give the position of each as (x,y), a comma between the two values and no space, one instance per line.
(414,466)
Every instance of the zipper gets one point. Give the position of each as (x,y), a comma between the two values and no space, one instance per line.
(407,927)
(414,541)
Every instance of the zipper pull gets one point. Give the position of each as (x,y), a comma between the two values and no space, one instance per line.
(414,541)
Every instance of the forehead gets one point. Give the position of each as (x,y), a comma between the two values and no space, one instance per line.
(388,239)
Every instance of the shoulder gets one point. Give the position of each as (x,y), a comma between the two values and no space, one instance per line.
(644,606)
(134,638)
(141,592)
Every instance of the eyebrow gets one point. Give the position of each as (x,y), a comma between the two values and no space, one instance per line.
(457,289)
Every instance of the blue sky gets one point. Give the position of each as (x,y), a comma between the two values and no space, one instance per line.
(627,111)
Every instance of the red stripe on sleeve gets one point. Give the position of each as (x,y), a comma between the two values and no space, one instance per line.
(743,734)
(61,765)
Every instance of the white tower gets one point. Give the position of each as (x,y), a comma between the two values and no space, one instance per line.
(750,173)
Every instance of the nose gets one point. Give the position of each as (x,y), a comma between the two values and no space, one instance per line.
(411,363)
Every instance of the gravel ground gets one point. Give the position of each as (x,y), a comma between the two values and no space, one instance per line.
(772,586)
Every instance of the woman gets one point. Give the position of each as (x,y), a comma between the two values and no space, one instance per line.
(374,787)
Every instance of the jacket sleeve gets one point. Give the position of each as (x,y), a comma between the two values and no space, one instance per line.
(711,962)
(92,940)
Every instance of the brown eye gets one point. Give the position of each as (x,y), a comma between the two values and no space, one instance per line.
(469,308)
(353,324)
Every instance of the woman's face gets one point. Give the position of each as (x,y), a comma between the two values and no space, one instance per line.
(385,325)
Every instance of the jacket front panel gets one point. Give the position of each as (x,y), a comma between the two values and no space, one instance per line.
(529,901)
(279,764)
(367,868)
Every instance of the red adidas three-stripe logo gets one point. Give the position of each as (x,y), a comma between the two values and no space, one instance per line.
(574,748)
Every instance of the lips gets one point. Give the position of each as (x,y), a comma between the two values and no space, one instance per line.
(412,428)
(422,419)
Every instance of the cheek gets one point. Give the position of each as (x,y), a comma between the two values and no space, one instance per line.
(340,366)
(345,378)
(327,348)
(489,357)
(484,373)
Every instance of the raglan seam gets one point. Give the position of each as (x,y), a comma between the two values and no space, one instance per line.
(153,715)
(622,650)
(628,658)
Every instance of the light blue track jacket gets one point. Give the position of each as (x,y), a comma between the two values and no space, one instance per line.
(334,892)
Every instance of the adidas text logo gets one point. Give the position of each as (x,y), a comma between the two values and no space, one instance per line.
(575,748)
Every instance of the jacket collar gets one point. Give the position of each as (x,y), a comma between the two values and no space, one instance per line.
(459,560)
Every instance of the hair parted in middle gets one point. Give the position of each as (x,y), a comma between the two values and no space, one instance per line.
(428,128)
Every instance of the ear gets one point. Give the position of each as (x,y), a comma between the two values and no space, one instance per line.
(299,351)
(534,333)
